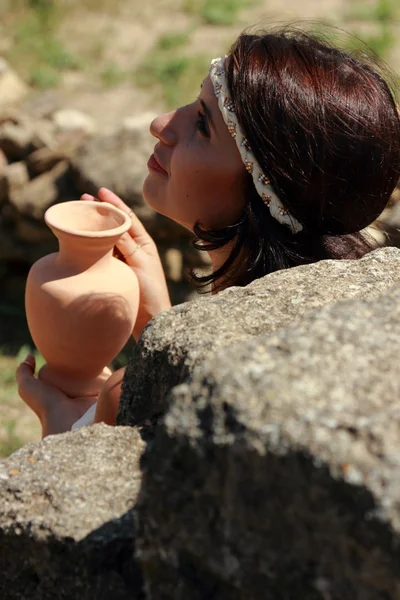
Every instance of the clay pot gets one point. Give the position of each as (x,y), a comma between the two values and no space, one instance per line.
(81,302)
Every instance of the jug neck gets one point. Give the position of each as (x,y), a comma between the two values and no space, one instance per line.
(80,253)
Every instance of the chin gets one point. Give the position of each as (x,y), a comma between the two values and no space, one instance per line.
(151,193)
(151,196)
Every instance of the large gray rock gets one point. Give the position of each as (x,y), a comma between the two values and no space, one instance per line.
(66,528)
(179,339)
(275,473)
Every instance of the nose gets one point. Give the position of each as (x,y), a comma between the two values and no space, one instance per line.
(163,129)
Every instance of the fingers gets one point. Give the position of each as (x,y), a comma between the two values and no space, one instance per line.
(27,367)
(109,196)
(130,249)
(28,385)
(137,229)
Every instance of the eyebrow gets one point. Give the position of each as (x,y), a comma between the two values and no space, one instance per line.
(207,112)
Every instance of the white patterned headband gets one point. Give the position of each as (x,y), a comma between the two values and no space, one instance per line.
(261,181)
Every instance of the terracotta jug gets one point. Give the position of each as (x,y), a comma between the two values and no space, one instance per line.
(81,302)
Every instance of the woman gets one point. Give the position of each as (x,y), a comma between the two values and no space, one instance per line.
(290,150)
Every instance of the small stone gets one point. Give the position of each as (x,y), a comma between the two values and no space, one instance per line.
(16,139)
(138,122)
(15,176)
(12,89)
(173,263)
(68,119)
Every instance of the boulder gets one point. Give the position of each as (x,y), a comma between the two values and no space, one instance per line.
(185,336)
(66,527)
(275,473)
(35,197)
(21,135)
(272,468)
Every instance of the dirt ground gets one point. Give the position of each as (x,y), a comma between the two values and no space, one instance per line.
(129,34)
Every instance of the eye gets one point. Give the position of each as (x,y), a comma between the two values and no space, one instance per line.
(202,125)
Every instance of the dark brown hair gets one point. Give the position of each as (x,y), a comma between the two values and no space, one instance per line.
(324,127)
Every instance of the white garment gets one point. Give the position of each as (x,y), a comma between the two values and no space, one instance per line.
(86,419)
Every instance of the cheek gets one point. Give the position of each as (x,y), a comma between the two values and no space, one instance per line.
(203,187)
(216,198)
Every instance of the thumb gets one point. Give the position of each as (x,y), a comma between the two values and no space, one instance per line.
(29,388)
(26,368)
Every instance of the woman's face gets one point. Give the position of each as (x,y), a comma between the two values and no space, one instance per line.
(196,173)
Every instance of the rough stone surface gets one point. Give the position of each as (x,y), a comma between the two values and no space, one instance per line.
(278,465)
(185,336)
(66,528)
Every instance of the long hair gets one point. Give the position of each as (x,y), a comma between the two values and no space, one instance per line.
(324,127)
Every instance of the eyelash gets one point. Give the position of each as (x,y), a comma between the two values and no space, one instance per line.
(201,125)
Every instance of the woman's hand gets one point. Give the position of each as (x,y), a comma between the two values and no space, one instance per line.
(56,411)
(139,251)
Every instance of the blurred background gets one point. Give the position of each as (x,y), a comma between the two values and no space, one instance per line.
(80,81)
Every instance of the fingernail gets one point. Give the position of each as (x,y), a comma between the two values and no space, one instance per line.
(87,197)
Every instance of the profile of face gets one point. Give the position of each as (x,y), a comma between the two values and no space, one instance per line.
(196,173)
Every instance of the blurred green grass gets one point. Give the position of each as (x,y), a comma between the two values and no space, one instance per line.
(171,72)
(216,12)
(18,424)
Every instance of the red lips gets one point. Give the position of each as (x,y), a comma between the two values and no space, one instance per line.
(154,165)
